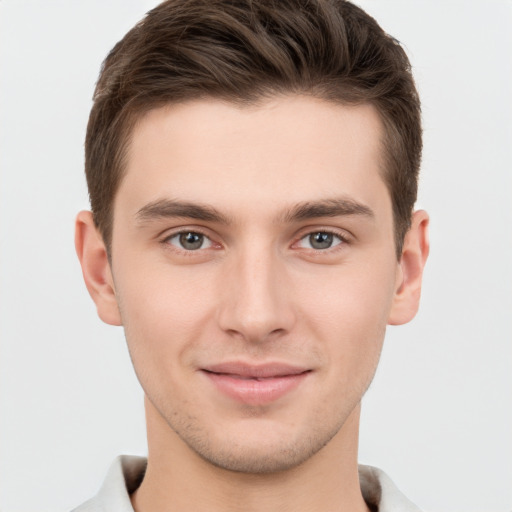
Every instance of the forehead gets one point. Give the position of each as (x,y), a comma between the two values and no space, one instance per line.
(285,150)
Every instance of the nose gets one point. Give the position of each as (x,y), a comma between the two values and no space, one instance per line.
(256,300)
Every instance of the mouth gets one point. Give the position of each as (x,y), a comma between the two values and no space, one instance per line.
(255,384)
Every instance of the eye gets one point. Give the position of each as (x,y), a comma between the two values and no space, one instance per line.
(320,240)
(189,241)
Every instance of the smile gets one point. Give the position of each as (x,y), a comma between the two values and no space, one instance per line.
(255,384)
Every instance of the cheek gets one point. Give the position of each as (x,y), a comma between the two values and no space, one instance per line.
(164,311)
(349,314)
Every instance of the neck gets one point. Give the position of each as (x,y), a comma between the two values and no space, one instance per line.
(178,479)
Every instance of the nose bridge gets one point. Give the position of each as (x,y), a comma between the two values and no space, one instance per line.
(256,301)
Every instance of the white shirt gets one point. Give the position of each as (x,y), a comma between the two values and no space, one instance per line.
(126,474)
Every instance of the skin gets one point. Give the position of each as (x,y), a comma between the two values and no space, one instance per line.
(255,184)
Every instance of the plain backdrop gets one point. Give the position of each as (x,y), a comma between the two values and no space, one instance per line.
(438,417)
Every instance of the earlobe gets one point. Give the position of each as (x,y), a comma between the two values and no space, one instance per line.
(414,256)
(96,270)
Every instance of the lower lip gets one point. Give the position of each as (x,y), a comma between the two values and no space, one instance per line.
(254,391)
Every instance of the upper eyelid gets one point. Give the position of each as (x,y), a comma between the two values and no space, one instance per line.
(172,232)
(346,239)
(181,251)
(167,235)
(343,234)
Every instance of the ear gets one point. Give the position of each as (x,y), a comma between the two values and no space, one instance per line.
(96,270)
(412,262)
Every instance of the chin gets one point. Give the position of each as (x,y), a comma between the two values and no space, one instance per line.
(259,461)
(269,451)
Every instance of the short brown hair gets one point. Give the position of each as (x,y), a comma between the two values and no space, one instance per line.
(243,51)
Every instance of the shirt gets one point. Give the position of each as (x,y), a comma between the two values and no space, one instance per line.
(126,474)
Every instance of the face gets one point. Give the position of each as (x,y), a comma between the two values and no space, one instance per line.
(254,268)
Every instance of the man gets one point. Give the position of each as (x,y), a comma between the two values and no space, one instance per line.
(252,169)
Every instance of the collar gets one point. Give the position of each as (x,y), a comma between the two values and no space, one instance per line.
(127,471)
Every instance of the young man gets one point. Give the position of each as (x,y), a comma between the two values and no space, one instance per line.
(252,168)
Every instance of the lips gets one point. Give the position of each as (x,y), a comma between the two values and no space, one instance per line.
(255,384)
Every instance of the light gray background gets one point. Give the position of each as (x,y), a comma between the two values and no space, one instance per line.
(438,417)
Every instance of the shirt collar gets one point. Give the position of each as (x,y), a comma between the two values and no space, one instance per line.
(127,471)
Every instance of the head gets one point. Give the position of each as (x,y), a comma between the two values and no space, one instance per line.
(244,52)
(252,168)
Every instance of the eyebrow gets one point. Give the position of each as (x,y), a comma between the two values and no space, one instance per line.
(327,208)
(170,208)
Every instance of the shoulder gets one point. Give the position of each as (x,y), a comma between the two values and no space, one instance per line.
(380,492)
(123,477)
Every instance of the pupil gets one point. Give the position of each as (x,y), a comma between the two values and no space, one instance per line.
(191,241)
(320,240)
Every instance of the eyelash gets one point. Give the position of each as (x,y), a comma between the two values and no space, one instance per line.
(343,237)
(343,240)
(166,241)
